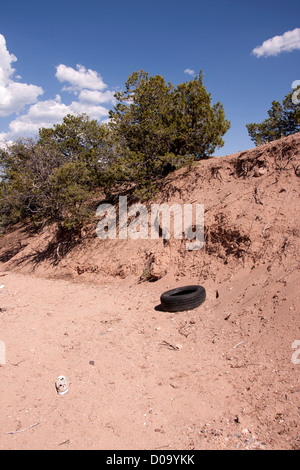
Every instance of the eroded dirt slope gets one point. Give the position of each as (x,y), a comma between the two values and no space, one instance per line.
(224,375)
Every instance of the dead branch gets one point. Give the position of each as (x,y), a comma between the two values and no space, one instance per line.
(257,196)
(25,429)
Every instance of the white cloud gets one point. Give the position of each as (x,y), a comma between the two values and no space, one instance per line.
(6,59)
(96,97)
(93,111)
(41,114)
(49,112)
(90,94)
(80,78)
(288,42)
(3,141)
(190,72)
(13,95)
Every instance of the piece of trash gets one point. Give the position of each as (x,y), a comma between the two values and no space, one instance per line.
(62,385)
(25,429)
(92,363)
(2,353)
(171,346)
(2,286)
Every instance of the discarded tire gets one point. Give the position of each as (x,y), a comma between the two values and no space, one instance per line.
(182,298)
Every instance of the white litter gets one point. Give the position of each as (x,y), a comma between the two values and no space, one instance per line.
(62,385)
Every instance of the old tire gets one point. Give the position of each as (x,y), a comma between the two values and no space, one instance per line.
(182,298)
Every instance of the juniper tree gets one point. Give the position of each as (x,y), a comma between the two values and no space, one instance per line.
(52,178)
(283,120)
(160,127)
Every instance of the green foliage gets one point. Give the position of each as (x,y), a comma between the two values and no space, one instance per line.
(72,187)
(199,125)
(283,120)
(160,127)
(51,179)
(155,128)
(141,117)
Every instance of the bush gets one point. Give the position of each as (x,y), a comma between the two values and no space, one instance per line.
(160,128)
(154,129)
(50,180)
(283,120)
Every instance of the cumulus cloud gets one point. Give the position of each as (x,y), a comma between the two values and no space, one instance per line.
(288,42)
(80,78)
(13,95)
(6,60)
(190,72)
(49,112)
(96,97)
(3,140)
(41,114)
(89,90)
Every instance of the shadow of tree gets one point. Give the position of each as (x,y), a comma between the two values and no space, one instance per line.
(55,251)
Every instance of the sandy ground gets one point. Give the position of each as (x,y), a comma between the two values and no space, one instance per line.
(141,378)
(222,376)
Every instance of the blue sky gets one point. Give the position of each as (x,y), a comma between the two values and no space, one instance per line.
(71,56)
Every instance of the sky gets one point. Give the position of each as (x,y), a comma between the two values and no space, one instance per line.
(70,56)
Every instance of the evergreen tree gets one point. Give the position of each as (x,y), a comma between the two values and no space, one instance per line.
(51,179)
(154,129)
(160,128)
(199,125)
(283,120)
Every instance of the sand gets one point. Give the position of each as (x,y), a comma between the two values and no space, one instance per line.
(224,375)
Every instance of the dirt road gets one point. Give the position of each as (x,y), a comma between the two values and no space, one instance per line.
(217,377)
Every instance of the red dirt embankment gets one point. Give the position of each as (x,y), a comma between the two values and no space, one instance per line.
(222,376)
